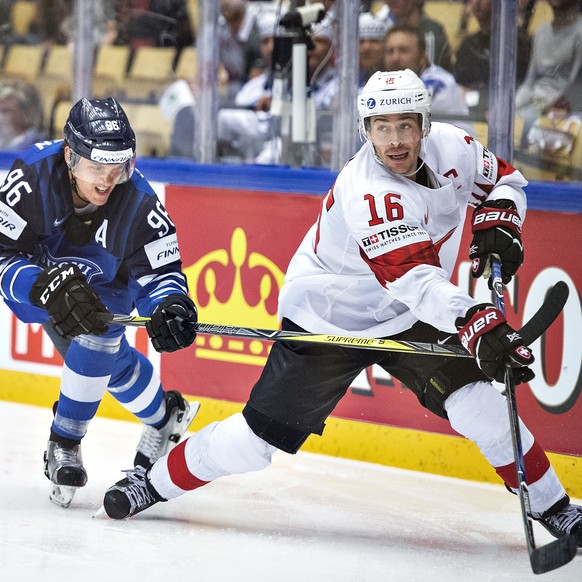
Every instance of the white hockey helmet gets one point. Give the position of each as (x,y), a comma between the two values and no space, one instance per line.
(394,92)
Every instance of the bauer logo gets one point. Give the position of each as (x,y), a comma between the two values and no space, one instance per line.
(162,252)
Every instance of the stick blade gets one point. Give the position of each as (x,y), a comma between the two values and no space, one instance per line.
(553,555)
(546,314)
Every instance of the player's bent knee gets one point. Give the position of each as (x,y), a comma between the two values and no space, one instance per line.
(479,412)
(284,437)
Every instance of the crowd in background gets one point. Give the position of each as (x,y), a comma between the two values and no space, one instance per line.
(453,60)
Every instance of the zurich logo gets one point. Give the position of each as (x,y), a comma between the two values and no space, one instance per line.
(371,103)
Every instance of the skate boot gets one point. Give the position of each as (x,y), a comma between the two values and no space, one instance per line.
(156,442)
(561,519)
(130,495)
(63,466)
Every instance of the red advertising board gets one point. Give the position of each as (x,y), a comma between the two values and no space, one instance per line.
(235,248)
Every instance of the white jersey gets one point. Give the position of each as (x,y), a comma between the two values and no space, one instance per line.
(382,252)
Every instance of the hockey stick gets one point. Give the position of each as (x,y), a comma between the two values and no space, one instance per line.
(532,330)
(561,551)
(344,341)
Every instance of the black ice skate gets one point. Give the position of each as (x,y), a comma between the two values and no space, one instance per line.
(561,519)
(63,466)
(130,495)
(156,442)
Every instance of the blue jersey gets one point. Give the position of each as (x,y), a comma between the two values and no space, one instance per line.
(127,250)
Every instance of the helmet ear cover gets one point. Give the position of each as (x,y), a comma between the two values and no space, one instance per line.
(394,92)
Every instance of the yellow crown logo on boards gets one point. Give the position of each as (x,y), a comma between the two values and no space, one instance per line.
(235,310)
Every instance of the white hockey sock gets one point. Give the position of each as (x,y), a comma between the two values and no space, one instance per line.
(479,412)
(219,449)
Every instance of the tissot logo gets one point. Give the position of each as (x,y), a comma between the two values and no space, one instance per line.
(388,233)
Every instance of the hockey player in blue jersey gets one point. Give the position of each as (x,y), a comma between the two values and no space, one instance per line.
(83,233)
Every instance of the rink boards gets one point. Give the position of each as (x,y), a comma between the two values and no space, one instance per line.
(236,241)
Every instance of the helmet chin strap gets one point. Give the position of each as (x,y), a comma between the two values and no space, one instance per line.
(417,169)
(75,190)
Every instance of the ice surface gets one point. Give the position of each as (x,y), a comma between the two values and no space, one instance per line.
(307,518)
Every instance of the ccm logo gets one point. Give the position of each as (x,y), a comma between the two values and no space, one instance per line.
(54,284)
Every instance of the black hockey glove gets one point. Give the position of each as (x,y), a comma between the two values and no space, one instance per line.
(485,333)
(72,305)
(496,228)
(172,322)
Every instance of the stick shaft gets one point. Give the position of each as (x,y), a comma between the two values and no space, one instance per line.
(561,551)
(345,341)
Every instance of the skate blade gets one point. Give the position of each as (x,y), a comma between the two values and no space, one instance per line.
(191,414)
(62,495)
(100,514)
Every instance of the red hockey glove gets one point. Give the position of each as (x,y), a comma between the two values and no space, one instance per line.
(485,333)
(496,228)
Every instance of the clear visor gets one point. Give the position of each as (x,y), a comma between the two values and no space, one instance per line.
(101,174)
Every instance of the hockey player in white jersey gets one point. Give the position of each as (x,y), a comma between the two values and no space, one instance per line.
(83,233)
(378,262)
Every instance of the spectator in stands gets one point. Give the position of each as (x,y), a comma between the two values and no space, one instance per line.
(5,22)
(239,45)
(411,13)
(49,23)
(555,63)
(153,23)
(20,115)
(256,92)
(53,23)
(473,57)
(322,83)
(405,49)
(372,33)
(553,138)
(247,132)
(241,131)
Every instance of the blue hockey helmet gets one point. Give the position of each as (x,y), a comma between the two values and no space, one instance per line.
(99,130)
